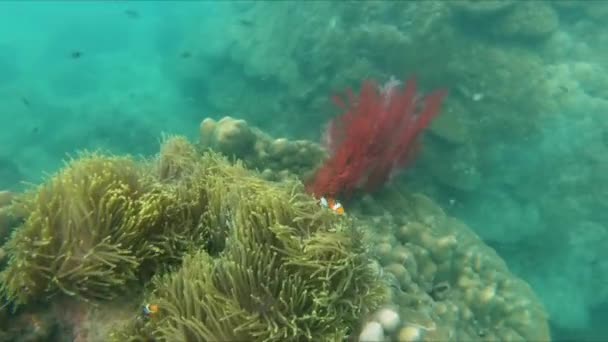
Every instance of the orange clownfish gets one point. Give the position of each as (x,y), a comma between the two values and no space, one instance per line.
(332,204)
(150,310)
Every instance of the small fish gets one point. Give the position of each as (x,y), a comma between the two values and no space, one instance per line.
(150,310)
(25,101)
(332,204)
(131,13)
(477,97)
(76,54)
(185,54)
(246,22)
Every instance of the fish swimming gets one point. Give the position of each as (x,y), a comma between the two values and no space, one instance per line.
(332,204)
(76,54)
(150,310)
(131,13)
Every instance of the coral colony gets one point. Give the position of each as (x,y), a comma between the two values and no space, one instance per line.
(376,135)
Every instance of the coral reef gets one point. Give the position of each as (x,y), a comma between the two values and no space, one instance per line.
(290,271)
(105,221)
(447,285)
(284,266)
(7,217)
(455,170)
(331,34)
(486,8)
(450,128)
(76,235)
(374,137)
(596,10)
(66,319)
(259,260)
(531,21)
(504,92)
(253,293)
(6,197)
(276,159)
(506,19)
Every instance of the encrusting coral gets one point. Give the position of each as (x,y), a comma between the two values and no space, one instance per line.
(276,159)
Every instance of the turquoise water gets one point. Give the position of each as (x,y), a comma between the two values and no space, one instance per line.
(519,153)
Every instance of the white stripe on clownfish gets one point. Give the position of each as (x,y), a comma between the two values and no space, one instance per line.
(332,204)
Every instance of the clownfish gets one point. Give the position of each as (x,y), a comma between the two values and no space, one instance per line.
(150,310)
(332,204)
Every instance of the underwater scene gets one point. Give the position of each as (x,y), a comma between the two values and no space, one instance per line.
(354,171)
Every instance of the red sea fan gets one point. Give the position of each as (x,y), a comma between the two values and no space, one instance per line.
(376,135)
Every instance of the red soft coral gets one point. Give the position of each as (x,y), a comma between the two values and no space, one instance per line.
(374,137)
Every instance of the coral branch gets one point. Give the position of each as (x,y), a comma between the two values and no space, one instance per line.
(376,135)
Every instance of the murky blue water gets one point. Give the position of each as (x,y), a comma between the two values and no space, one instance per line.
(522,155)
